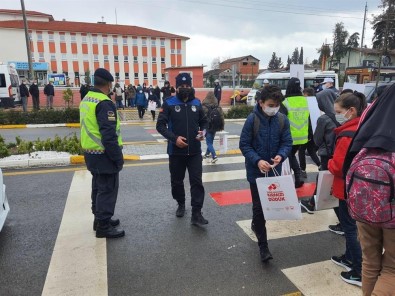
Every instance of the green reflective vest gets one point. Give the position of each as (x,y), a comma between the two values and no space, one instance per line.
(90,134)
(298,115)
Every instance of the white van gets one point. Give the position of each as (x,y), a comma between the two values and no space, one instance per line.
(4,207)
(9,86)
(281,80)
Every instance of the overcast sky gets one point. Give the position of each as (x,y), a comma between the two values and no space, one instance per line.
(224,28)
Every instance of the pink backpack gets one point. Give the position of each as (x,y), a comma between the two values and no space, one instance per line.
(370,188)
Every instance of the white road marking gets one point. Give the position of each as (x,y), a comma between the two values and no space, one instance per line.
(79,260)
(321,278)
(317,222)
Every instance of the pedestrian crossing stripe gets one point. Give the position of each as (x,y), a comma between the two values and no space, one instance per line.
(309,224)
(226,198)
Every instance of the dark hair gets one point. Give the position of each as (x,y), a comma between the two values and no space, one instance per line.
(271,92)
(347,91)
(355,99)
(293,88)
(98,81)
(309,91)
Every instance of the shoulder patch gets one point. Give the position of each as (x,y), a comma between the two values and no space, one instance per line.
(110,113)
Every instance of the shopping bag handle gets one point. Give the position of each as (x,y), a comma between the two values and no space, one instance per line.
(276,174)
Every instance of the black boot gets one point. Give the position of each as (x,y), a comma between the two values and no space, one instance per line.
(113,222)
(108,231)
(180,210)
(198,219)
(265,253)
(298,180)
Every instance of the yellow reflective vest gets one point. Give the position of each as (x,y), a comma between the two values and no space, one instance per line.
(90,133)
(298,115)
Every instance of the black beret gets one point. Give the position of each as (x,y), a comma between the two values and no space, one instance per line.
(103,74)
(183,78)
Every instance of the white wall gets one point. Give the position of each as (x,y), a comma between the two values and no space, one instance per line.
(15,17)
(13,45)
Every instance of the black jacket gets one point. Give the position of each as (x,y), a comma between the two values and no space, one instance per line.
(167,91)
(33,90)
(112,160)
(23,91)
(49,90)
(178,118)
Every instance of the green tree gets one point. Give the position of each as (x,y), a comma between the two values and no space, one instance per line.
(300,60)
(353,41)
(340,35)
(289,62)
(295,56)
(275,62)
(380,24)
(325,52)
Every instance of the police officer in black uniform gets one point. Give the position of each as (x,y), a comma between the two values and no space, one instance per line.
(183,123)
(100,138)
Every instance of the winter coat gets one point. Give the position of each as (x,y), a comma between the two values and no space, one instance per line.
(49,90)
(335,165)
(179,118)
(270,141)
(208,104)
(167,91)
(140,98)
(131,92)
(23,91)
(218,92)
(33,90)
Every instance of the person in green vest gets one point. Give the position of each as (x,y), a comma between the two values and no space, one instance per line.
(102,143)
(297,111)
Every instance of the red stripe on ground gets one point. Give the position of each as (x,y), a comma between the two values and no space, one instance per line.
(236,197)
(152,131)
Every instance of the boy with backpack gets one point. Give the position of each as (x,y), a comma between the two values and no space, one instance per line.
(216,122)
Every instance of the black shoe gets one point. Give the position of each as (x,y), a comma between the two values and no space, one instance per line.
(180,210)
(306,205)
(298,183)
(342,261)
(265,254)
(108,231)
(206,156)
(113,222)
(336,229)
(352,277)
(253,227)
(198,219)
(303,174)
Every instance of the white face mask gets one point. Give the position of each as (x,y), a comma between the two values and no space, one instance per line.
(341,118)
(271,111)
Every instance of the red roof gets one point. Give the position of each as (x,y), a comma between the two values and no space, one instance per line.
(184,67)
(65,26)
(28,12)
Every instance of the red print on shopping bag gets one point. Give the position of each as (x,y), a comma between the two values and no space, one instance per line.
(274,194)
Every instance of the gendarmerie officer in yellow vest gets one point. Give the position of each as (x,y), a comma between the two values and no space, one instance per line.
(298,115)
(102,144)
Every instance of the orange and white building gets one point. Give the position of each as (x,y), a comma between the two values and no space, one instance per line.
(132,54)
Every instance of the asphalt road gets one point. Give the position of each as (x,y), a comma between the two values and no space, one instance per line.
(160,254)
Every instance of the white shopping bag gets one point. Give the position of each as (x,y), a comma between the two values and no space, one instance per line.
(223,141)
(286,168)
(278,198)
(324,199)
(151,105)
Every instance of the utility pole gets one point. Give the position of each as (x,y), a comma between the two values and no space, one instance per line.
(29,56)
(116,17)
(363,32)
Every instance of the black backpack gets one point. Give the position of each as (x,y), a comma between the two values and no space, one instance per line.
(215,122)
(348,134)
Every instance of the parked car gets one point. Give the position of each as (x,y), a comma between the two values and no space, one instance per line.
(4,207)
(371,90)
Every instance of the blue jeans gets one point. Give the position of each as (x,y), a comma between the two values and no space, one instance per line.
(353,247)
(209,141)
(131,103)
(119,104)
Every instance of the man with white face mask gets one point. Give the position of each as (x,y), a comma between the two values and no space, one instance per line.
(265,141)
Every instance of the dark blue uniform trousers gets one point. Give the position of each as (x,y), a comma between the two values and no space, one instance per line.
(178,165)
(104,195)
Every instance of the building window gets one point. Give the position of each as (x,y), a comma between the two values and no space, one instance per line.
(136,75)
(145,76)
(126,75)
(154,75)
(96,57)
(163,75)
(134,41)
(83,39)
(74,57)
(115,40)
(145,59)
(135,59)
(53,57)
(117,74)
(94,39)
(64,57)
(116,59)
(73,38)
(245,63)
(50,37)
(66,73)
(33,59)
(162,43)
(154,60)
(104,40)
(144,41)
(173,51)
(41,56)
(76,74)
(125,40)
(162,60)
(30,36)
(153,42)
(106,58)
(125,59)
(178,51)
(39,37)
(62,38)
